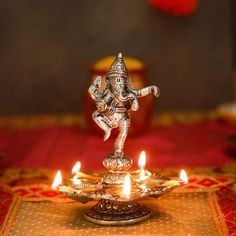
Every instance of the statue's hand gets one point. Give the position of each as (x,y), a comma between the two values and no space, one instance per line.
(98,82)
(101,106)
(135,105)
(93,89)
(155,90)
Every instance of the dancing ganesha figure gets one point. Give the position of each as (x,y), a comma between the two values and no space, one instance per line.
(116,100)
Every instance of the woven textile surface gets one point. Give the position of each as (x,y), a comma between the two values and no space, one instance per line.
(175,214)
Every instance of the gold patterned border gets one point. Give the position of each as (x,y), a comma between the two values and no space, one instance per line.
(10,217)
(218,216)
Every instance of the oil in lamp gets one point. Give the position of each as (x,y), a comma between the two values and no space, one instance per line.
(118,190)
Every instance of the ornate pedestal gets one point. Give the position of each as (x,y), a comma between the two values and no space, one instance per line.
(110,212)
(107,212)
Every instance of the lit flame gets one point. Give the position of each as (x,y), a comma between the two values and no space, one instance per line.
(141,164)
(57,181)
(183,176)
(76,168)
(76,180)
(142,160)
(127,186)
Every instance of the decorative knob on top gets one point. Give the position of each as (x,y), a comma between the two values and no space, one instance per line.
(117,69)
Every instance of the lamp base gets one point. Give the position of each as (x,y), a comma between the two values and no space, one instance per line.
(107,212)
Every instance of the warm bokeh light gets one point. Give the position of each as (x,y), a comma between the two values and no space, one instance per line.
(76,168)
(127,186)
(142,160)
(76,180)
(57,181)
(183,176)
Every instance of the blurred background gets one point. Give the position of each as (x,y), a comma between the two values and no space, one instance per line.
(50,51)
(47,48)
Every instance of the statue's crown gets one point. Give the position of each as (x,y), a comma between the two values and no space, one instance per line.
(118,68)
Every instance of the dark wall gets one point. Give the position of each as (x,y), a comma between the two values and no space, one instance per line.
(46,47)
(233,28)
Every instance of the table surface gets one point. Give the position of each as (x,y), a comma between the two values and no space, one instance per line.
(31,146)
(206,206)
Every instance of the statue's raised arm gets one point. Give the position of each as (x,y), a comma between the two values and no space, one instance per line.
(93,89)
(153,89)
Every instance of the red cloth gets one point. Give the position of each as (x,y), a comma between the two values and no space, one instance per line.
(181,145)
(176,7)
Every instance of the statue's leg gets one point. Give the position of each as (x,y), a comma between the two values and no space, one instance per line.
(119,144)
(101,122)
